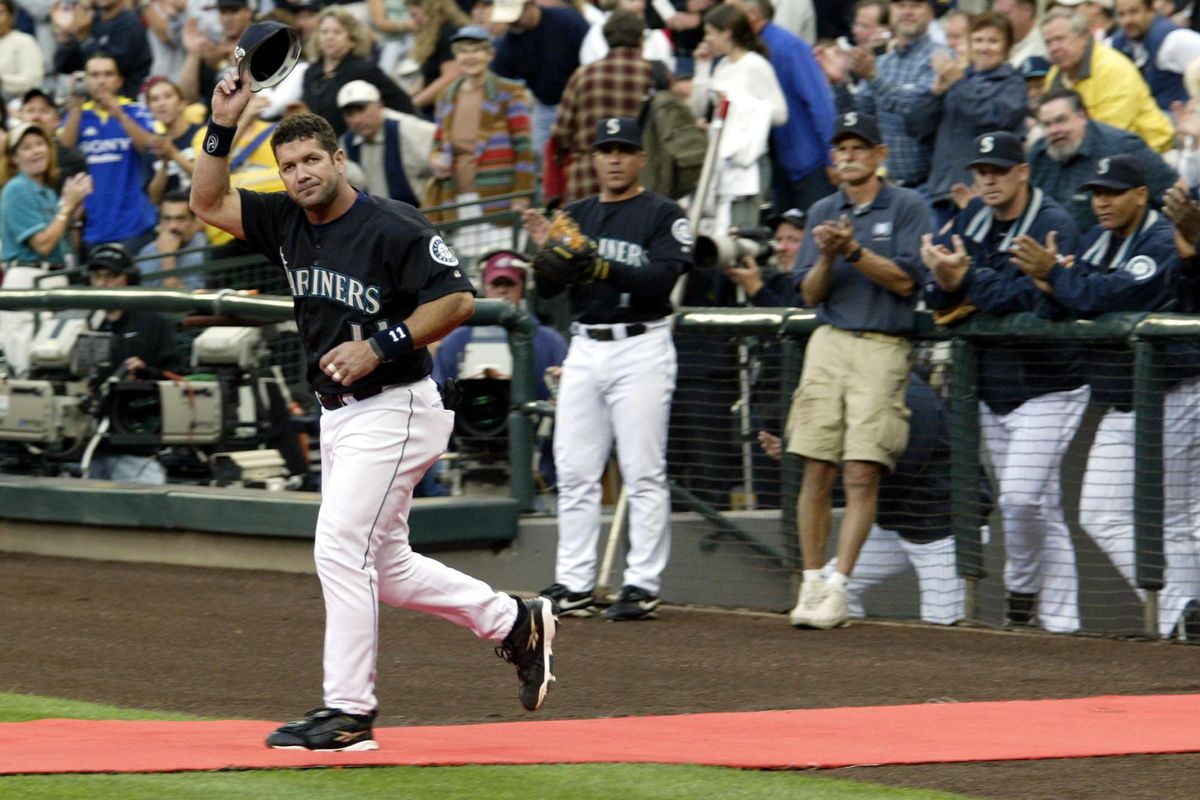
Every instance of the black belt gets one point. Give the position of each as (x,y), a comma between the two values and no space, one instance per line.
(332,402)
(608,334)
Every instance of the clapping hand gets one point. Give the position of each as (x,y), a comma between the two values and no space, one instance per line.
(1181,209)
(948,266)
(1034,259)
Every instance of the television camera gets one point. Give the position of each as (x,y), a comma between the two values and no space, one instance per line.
(717,251)
(204,425)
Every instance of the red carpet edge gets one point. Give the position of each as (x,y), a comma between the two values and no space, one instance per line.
(795,739)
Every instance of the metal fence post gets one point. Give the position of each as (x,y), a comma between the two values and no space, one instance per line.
(791,351)
(1148,471)
(965,519)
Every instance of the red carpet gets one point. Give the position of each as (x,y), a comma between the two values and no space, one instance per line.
(825,738)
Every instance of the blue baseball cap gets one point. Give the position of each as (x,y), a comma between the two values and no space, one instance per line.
(619,130)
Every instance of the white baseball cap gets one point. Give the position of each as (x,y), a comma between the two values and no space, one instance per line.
(506,12)
(358,93)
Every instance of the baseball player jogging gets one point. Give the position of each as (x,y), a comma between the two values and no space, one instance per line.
(373,284)
(619,254)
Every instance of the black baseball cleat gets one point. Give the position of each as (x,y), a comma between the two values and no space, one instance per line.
(634,603)
(327,729)
(570,604)
(528,648)
(1021,610)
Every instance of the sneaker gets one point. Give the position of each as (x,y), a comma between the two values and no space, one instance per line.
(326,729)
(527,647)
(634,603)
(570,604)
(832,611)
(1022,610)
(811,594)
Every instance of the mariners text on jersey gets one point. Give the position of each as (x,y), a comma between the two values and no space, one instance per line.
(318,281)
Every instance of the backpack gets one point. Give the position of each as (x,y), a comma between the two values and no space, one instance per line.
(675,144)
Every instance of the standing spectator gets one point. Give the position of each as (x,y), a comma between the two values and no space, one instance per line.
(955,27)
(176,156)
(35,226)
(21,66)
(859,265)
(37,106)
(614,86)
(964,102)
(1129,263)
(1027,36)
(1111,87)
(799,156)
(1067,155)
(481,147)
(893,83)
(1158,47)
(656,45)
(541,48)
(105,26)
(618,375)
(165,21)
(393,27)
(113,132)
(392,148)
(870,28)
(178,229)
(1097,15)
(747,80)
(344,49)
(437,21)
(1033,395)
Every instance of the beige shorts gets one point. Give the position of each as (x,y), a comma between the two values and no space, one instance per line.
(850,403)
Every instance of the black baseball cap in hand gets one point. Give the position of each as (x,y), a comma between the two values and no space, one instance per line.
(859,126)
(999,149)
(1116,172)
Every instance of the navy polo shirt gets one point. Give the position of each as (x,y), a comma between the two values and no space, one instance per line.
(890,226)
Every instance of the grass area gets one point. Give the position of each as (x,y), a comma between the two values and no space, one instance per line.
(562,782)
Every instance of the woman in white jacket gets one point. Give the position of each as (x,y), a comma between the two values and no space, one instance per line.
(747,80)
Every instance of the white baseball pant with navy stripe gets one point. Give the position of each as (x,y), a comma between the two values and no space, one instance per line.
(1026,447)
(1106,504)
(617,390)
(373,452)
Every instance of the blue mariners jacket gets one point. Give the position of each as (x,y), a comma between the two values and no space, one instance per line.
(1110,274)
(1010,374)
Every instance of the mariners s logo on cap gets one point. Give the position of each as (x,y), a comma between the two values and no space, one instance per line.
(849,119)
(1102,166)
(987,144)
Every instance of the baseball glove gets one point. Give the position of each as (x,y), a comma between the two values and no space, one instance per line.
(568,256)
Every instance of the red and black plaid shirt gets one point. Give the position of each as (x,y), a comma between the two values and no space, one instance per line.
(614,86)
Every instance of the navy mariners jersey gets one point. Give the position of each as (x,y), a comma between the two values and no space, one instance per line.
(1011,374)
(648,244)
(1111,273)
(891,226)
(365,271)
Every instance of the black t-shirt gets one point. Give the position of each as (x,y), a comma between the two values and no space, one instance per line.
(431,70)
(648,244)
(365,271)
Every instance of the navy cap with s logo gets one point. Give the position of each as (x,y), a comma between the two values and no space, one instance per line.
(618,130)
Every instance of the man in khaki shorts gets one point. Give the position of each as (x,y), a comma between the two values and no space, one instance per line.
(860,267)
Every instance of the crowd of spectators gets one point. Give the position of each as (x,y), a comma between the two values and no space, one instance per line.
(463,103)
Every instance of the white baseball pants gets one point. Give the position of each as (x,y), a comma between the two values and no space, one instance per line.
(886,553)
(373,452)
(1026,447)
(618,390)
(1106,505)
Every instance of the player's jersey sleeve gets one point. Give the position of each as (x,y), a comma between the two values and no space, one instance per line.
(432,270)
(669,255)
(1145,282)
(261,216)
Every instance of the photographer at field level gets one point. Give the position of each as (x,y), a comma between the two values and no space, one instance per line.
(143,348)
(773,284)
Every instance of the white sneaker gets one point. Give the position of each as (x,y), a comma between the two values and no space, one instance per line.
(832,611)
(811,594)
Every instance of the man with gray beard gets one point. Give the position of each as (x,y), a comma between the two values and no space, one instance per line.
(1066,156)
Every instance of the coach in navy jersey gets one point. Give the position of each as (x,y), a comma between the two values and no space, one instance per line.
(1033,395)
(1129,263)
(618,376)
(373,284)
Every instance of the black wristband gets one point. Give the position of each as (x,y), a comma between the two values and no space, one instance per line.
(219,140)
(395,342)
(856,255)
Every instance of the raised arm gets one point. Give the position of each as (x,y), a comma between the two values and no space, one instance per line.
(213,197)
